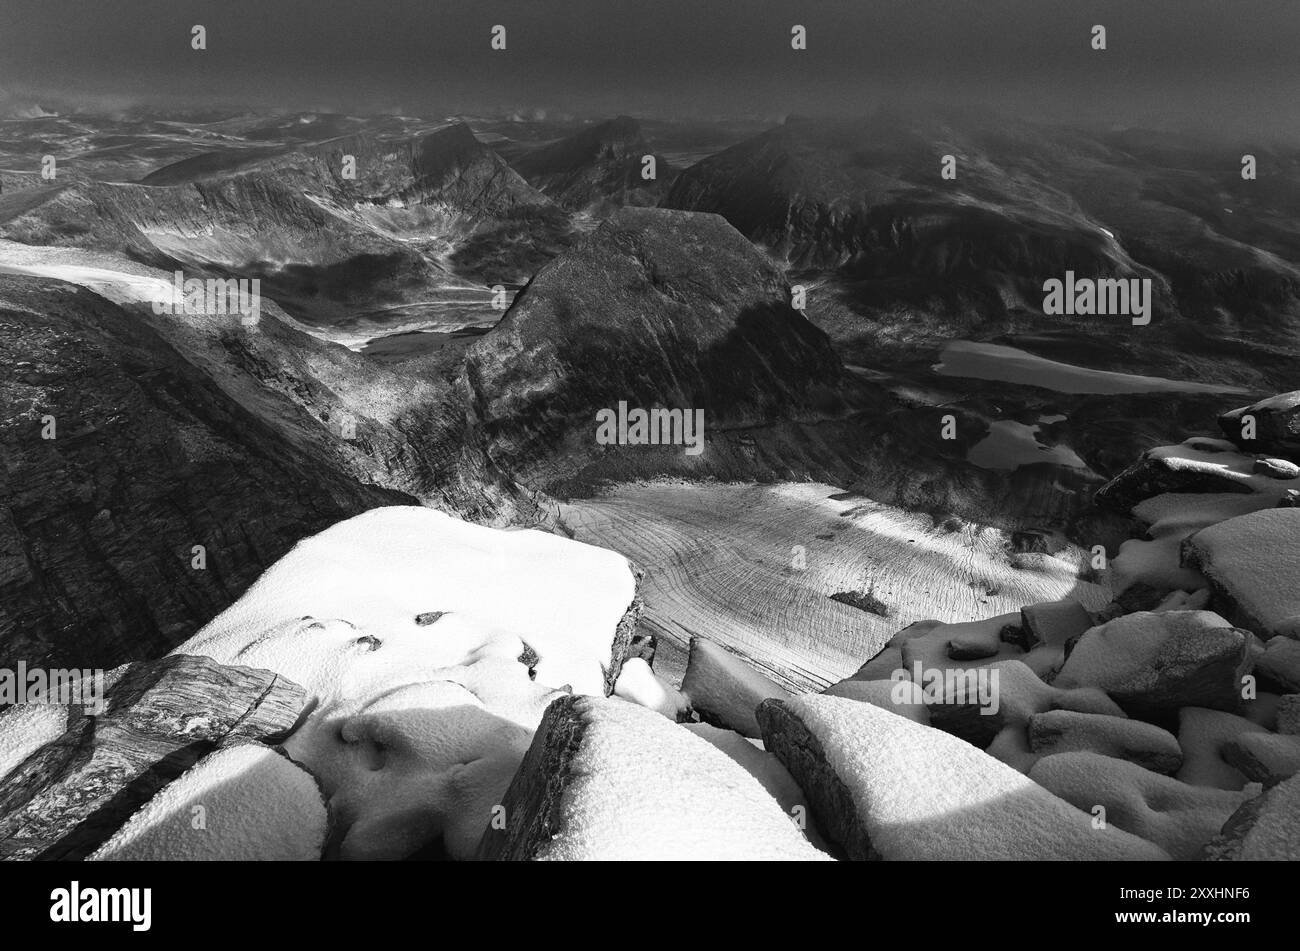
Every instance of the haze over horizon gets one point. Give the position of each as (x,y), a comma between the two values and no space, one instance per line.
(1194,65)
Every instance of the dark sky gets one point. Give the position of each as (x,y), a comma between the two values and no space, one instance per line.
(1213,65)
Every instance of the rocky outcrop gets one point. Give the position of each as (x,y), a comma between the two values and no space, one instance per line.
(580,795)
(160,718)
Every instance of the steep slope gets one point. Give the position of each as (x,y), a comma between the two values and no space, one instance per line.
(148,460)
(597,167)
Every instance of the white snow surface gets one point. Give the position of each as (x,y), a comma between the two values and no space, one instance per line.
(379,570)
(419,727)
(642,788)
(921,793)
(242,803)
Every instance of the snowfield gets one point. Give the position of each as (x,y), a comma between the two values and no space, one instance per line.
(722,561)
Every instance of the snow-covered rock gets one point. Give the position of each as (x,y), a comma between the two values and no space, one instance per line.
(1266,828)
(1252,562)
(609,781)
(1276,421)
(432,647)
(1288,715)
(723,689)
(69,795)
(383,571)
(1279,666)
(1055,622)
(901,697)
(1203,734)
(883,786)
(638,683)
(1266,758)
(25,728)
(241,803)
(1176,816)
(1155,663)
(767,769)
(1018,693)
(1067,731)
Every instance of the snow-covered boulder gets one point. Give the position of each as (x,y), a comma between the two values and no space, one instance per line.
(389,571)
(639,684)
(1252,563)
(1153,664)
(1276,425)
(432,647)
(902,697)
(1266,758)
(1264,829)
(1055,622)
(1067,731)
(1203,735)
(1288,715)
(883,786)
(607,781)
(1196,466)
(1016,694)
(1279,666)
(725,690)
(767,769)
(1176,816)
(241,803)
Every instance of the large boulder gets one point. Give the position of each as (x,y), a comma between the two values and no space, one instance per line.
(1153,664)
(241,803)
(882,786)
(1252,563)
(1278,667)
(436,590)
(1176,816)
(606,781)
(160,717)
(1068,731)
(1276,423)
(1266,758)
(1266,828)
(725,690)
(1204,736)
(1011,694)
